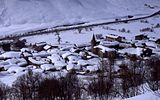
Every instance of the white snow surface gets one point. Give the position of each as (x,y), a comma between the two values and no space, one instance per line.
(23,15)
(146,96)
(10,54)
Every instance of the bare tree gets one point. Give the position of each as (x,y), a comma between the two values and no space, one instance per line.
(49,89)
(3,91)
(58,37)
(154,74)
(26,86)
(101,88)
(69,84)
(63,88)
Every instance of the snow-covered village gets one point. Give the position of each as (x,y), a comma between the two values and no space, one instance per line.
(80,50)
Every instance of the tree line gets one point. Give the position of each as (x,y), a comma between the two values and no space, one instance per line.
(127,82)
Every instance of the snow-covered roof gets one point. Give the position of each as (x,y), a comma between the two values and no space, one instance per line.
(20,61)
(27,50)
(46,47)
(59,64)
(103,48)
(92,68)
(15,69)
(47,66)
(73,59)
(136,51)
(107,43)
(72,66)
(54,58)
(41,54)
(83,62)
(38,61)
(11,54)
(66,54)
(112,36)
(6,42)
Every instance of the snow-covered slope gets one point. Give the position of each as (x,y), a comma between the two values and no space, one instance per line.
(55,12)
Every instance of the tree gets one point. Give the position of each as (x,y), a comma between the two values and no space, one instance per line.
(49,89)
(63,88)
(26,86)
(3,91)
(101,88)
(69,84)
(58,37)
(154,74)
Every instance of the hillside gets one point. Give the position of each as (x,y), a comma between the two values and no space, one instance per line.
(25,14)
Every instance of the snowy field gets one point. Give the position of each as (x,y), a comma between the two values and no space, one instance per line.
(17,16)
(74,37)
(57,53)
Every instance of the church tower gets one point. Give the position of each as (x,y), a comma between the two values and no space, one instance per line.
(93,43)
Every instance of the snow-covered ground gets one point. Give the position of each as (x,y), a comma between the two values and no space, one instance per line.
(146,96)
(73,51)
(24,15)
(74,37)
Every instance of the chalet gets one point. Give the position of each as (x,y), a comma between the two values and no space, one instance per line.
(141,37)
(112,37)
